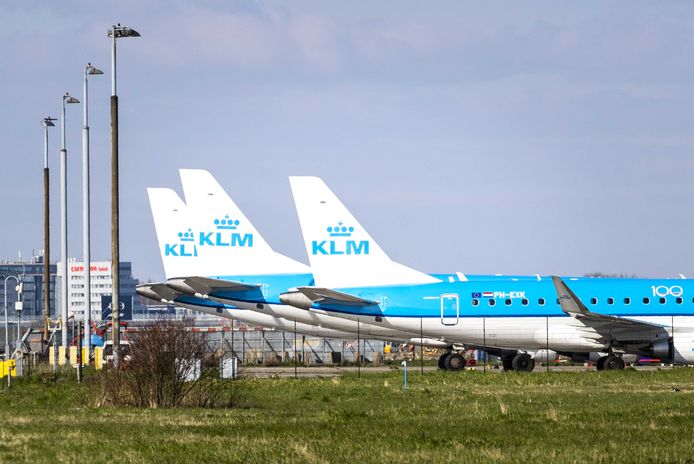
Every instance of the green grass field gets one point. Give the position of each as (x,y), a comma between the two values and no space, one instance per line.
(624,416)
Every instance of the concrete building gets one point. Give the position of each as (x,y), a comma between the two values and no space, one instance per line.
(31,274)
(101,285)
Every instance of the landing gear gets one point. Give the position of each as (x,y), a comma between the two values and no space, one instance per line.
(451,361)
(454,362)
(610,362)
(442,360)
(522,362)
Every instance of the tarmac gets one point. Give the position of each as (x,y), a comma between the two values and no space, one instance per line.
(336,371)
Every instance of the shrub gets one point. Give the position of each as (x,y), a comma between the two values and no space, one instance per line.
(167,366)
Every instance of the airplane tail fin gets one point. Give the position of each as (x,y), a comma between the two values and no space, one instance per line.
(341,251)
(208,235)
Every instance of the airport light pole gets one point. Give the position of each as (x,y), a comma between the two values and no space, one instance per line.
(7,330)
(18,306)
(115,33)
(47,122)
(89,70)
(67,99)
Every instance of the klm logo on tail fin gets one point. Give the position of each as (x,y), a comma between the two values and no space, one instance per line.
(186,247)
(340,242)
(224,235)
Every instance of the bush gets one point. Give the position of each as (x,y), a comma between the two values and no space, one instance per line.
(168,366)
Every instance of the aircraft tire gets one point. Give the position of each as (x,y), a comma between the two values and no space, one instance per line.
(600,365)
(455,362)
(442,360)
(523,362)
(613,363)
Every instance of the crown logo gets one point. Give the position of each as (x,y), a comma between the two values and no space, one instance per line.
(340,230)
(186,236)
(226,223)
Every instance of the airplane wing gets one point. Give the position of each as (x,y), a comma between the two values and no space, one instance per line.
(327,296)
(573,306)
(203,286)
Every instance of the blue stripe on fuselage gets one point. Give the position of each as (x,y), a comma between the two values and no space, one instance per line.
(425,300)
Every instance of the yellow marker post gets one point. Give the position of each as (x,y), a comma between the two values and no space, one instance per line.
(73,355)
(61,356)
(8,367)
(98,357)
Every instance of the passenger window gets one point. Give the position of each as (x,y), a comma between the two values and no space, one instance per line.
(524,302)
(492,302)
(627,300)
(475,302)
(662,300)
(557,300)
(646,300)
(678,300)
(610,300)
(593,301)
(508,302)
(541,301)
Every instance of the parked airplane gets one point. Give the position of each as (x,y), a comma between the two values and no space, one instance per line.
(356,280)
(217,262)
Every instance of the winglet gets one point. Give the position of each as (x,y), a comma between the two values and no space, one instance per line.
(569,302)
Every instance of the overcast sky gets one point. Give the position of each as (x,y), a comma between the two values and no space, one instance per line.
(482,137)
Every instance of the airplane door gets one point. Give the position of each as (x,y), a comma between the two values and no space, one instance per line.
(449,309)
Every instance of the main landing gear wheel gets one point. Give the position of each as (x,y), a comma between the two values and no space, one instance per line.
(600,364)
(454,362)
(522,362)
(507,362)
(612,363)
(442,360)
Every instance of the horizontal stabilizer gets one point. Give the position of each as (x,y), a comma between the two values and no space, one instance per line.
(158,292)
(203,286)
(328,296)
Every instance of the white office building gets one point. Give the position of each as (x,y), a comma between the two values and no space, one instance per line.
(101,285)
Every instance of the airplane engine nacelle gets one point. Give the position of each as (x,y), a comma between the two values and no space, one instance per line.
(545,356)
(662,349)
(296,299)
(683,347)
(429,343)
